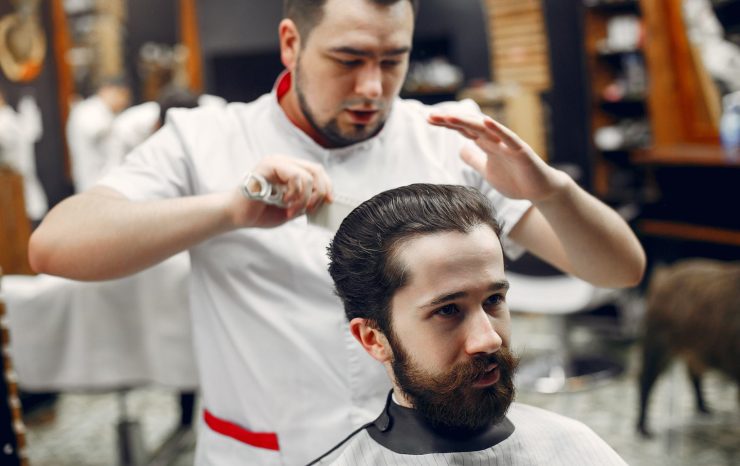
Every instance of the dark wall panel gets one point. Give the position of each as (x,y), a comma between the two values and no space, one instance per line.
(148,21)
(569,120)
(464,23)
(232,28)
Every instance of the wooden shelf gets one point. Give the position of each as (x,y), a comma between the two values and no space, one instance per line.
(615,58)
(625,108)
(622,156)
(614,178)
(686,231)
(613,7)
(617,53)
(685,155)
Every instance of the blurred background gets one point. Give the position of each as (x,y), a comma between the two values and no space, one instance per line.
(638,100)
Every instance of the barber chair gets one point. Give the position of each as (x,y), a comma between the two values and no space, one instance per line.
(537,289)
(109,336)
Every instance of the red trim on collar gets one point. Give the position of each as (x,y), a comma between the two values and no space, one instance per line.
(282,85)
(266,440)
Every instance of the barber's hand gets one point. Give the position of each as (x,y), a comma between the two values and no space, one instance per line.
(306,184)
(509,164)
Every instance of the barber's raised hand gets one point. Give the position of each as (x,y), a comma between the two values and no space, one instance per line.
(509,164)
(306,186)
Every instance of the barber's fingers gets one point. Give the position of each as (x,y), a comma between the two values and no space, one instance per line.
(474,157)
(305,184)
(464,125)
(322,186)
(298,185)
(504,134)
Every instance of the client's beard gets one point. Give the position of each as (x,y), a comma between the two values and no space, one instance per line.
(449,401)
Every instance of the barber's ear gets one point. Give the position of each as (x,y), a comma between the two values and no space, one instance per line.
(372,339)
(290,43)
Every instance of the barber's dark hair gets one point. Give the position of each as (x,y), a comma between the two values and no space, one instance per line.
(363,254)
(306,14)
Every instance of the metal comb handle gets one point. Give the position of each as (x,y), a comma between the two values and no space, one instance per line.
(257,188)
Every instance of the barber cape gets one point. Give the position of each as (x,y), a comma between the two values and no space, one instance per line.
(526,436)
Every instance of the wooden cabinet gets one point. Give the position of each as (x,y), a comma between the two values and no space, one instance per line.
(15,228)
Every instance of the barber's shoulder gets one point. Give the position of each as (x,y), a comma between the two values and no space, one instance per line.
(218,114)
(215,120)
(197,115)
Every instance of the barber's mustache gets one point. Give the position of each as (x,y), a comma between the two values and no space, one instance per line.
(364,104)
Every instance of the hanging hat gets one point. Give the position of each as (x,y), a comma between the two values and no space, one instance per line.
(22,47)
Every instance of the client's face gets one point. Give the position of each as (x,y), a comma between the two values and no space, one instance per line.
(451,329)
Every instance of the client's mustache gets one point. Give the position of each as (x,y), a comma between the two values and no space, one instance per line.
(466,373)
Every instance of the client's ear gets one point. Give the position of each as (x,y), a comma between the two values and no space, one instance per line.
(371,338)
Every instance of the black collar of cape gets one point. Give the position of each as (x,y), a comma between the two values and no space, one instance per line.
(404,431)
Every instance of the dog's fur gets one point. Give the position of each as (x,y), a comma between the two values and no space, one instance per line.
(693,312)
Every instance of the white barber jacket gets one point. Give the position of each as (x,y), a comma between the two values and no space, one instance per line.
(274,352)
(89,130)
(19,131)
(130,128)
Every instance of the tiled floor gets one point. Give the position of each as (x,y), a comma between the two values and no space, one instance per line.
(83,433)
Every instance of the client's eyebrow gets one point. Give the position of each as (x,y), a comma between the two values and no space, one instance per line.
(501,285)
(369,54)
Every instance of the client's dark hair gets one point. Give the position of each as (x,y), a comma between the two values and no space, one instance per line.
(363,262)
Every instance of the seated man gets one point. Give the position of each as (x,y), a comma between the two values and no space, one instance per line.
(420,272)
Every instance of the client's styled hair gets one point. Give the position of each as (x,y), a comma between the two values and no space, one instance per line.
(363,263)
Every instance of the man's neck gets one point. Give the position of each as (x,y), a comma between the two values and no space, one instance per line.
(288,100)
(400,399)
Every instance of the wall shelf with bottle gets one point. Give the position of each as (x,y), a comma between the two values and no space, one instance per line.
(618,87)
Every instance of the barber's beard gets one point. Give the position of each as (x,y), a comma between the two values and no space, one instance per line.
(330,131)
(449,401)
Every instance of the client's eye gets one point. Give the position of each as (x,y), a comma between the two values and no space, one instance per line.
(447,311)
(495,300)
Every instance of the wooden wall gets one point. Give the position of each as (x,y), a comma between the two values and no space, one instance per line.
(15,228)
(519,51)
(518,46)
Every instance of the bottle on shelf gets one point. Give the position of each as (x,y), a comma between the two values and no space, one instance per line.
(729,126)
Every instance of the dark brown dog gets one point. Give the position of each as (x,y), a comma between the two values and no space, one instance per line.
(693,312)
